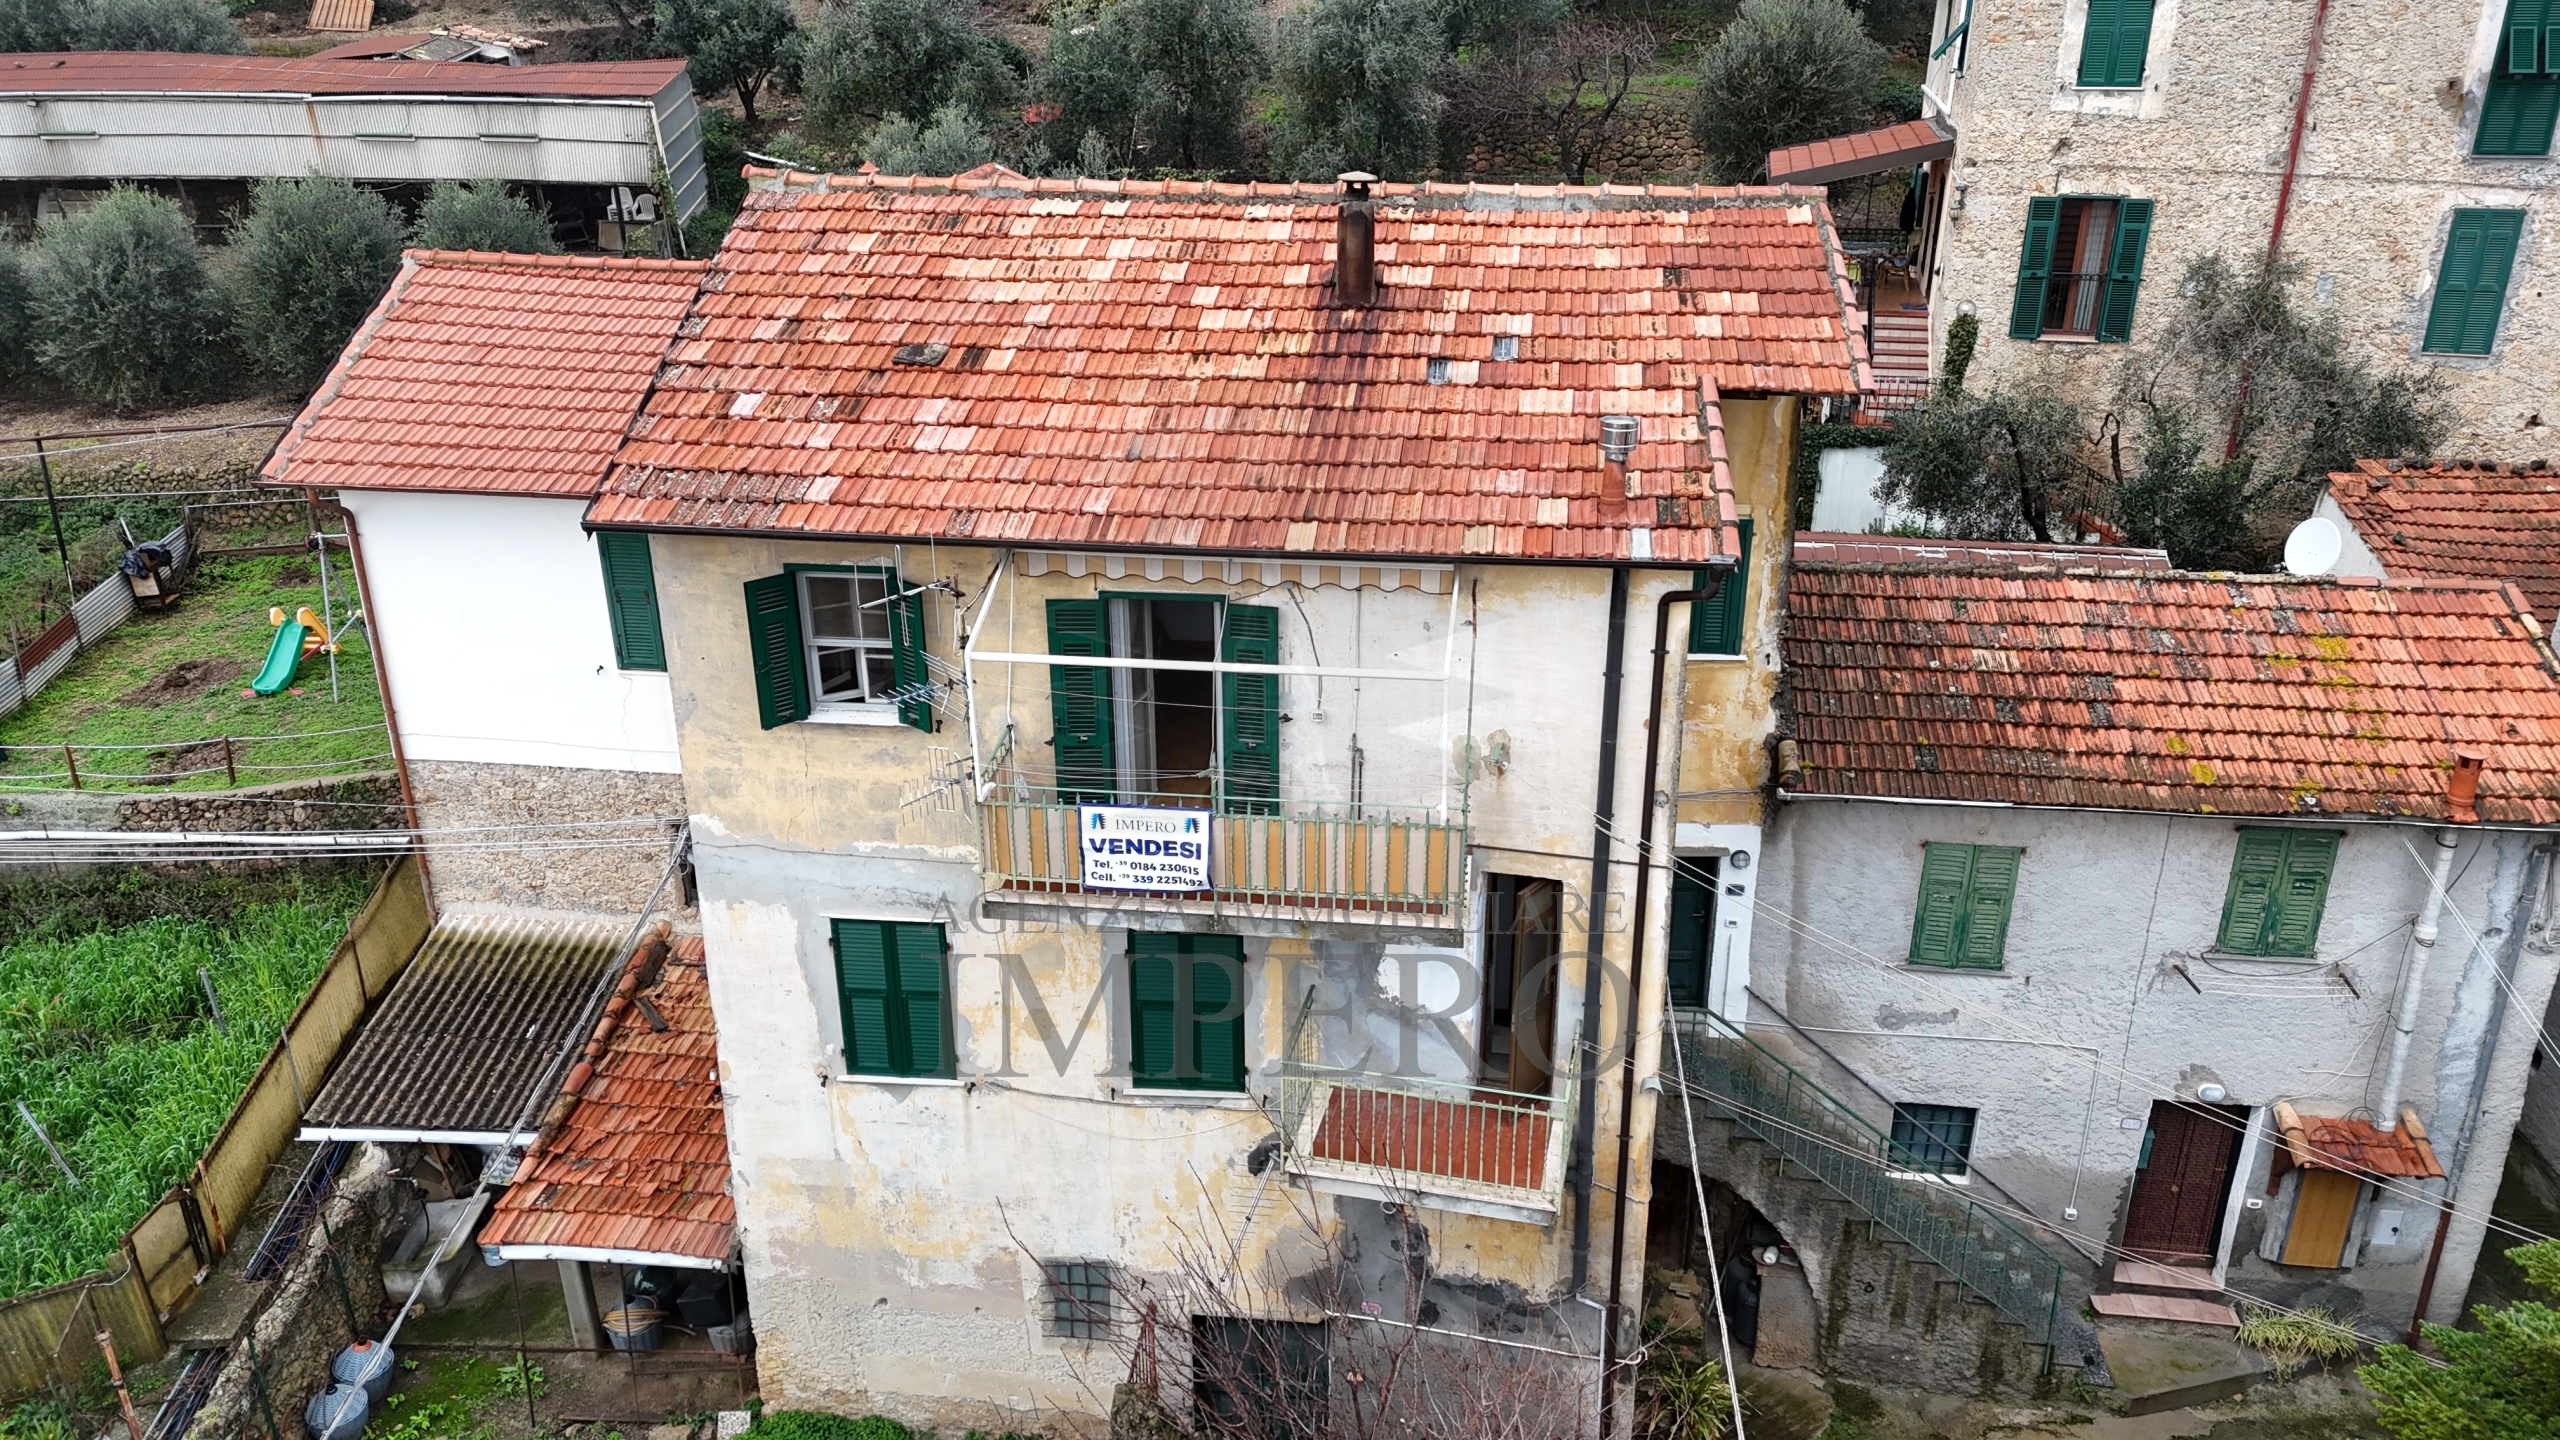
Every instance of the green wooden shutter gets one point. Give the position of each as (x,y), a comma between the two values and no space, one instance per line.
(1080,702)
(1715,626)
(862,988)
(906,655)
(1251,764)
(2302,893)
(1217,1045)
(2113,45)
(1937,930)
(2124,269)
(1153,989)
(921,1006)
(773,642)
(2035,267)
(2471,283)
(1988,895)
(2257,876)
(631,599)
(2523,99)
(1692,932)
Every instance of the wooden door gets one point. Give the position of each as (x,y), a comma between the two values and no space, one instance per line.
(2322,1205)
(2178,1194)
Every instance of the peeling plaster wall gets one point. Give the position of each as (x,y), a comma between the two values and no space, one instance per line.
(2088,1022)
(2385,162)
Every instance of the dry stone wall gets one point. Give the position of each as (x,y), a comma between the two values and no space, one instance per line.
(612,810)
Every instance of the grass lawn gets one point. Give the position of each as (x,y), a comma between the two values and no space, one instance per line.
(108,1039)
(171,683)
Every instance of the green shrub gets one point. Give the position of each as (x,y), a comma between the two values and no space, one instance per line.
(314,255)
(481,215)
(2500,1381)
(1784,72)
(17,331)
(119,301)
(200,26)
(811,1425)
(2293,1339)
(1359,87)
(1963,333)
(866,60)
(733,45)
(953,142)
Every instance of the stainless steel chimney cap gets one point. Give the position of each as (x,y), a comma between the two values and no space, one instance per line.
(1618,436)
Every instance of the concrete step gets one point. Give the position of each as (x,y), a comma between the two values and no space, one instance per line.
(2183,1309)
(2142,1275)
(2157,1367)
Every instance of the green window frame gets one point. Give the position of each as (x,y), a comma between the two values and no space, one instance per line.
(631,600)
(2471,281)
(1966,893)
(2523,95)
(779,649)
(2112,289)
(2113,45)
(894,986)
(1086,747)
(1186,1011)
(1933,1139)
(1716,626)
(2279,886)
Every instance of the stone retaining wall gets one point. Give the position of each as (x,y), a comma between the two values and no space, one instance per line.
(573,804)
(367,801)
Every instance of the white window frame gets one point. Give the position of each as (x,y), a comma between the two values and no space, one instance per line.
(824,709)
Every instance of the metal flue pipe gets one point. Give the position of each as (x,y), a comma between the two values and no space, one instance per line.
(2413,984)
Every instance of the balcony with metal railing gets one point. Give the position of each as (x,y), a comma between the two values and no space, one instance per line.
(1442,1145)
(1308,867)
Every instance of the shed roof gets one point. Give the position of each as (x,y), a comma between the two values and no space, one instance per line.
(2357,1146)
(1162,365)
(1841,547)
(639,1171)
(2203,694)
(465,1034)
(504,374)
(2452,519)
(1913,142)
(154,72)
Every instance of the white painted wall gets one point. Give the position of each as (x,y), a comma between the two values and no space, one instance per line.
(491,617)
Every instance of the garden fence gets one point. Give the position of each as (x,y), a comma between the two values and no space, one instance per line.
(108,604)
(48,1336)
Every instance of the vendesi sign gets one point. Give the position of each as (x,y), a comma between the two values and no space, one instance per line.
(1136,847)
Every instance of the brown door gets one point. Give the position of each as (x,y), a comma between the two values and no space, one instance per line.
(2178,1193)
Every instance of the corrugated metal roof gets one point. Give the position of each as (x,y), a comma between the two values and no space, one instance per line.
(343,16)
(160,72)
(2451,519)
(2241,695)
(639,1171)
(506,374)
(1161,364)
(466,1031)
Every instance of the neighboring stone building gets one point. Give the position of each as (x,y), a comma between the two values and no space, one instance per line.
(992,515)
(463,432)
(2105,897)
(2406,163)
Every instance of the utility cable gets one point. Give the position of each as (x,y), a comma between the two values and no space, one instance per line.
(1706,1227)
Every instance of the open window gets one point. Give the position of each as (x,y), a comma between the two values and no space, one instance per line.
(1138,735)
(1523,935)
(2080,268)
(2523,99)
(839,642)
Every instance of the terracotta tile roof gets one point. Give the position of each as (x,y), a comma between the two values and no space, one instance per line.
(640,1167)
(509,374)
(1894,147)
(1160,365)
(2244,695)
(1818,546)
(152,71)
(2358,1147)
(2452,521)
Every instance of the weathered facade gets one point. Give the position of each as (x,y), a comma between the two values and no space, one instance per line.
(2399,154)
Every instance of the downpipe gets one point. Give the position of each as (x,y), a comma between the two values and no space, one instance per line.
(1604,810)
(2413,984)
(1612,1315)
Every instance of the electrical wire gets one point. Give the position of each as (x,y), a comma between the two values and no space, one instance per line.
(1706,1227)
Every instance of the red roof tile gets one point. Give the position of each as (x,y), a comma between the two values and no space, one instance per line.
(2358,1147)
(91,72)
(1154,364)
(1895,147)
(641,1166)
(1816,547)
(2450,521)
(2243,695)
(509,374)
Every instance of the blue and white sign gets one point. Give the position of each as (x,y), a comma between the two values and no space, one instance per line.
(1134,847)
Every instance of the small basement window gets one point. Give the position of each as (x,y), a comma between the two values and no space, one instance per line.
(1079,1299)
(1933,1139)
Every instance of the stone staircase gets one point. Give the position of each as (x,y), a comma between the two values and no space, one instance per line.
(1916,1286)
(1900,358)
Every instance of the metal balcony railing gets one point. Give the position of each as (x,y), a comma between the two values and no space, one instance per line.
(1734,1077)
(1380,864)
(1492,1151)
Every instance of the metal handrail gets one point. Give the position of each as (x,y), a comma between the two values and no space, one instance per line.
(1821,1135)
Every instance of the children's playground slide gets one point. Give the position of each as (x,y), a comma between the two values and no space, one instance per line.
(294,639)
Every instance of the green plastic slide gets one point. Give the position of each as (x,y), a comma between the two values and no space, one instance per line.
(283,658)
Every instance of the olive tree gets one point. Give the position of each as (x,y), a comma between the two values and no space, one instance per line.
(481,215)
(312,258)
(865,60)
(119,306)
(1161,84)
(734,45)
(1359,87)
(950,142)
(200,26)
(1784,72)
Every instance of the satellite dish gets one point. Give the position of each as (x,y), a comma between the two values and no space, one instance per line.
(2313,547)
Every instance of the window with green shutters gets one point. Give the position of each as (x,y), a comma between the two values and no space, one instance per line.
(1715,626)
(1251,763)
(2471,283)
(1186,1012)
(2111,49)
(1080,702)
(1963,916)
(1090,706)
(2080,267)
(838,636)
(2279,884)
(631,600)
(893,982)
(2523,96)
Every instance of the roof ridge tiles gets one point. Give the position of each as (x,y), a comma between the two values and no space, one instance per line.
(512,260)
